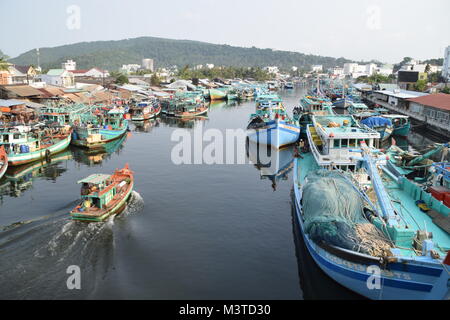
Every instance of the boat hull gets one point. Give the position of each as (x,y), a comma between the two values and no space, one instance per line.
(19,159)
(3,162)
(276,133)
(108,136)
(398,280)
(3,169)
(217,94)
(191,114)
(146,116)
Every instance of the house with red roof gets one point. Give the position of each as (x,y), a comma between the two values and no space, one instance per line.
(434,110)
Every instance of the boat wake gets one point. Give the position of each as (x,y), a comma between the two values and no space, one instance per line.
(36,254)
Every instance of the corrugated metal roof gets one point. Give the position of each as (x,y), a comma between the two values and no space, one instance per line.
(10,103)
(23,91)
(438,100)
(402,94)
(96,178)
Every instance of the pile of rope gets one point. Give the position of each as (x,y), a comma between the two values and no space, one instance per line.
(372,241)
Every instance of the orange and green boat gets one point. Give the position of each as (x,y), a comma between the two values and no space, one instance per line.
(103,196)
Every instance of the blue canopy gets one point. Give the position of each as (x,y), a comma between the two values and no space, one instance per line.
(376,122)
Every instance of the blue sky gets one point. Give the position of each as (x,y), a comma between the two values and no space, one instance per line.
(386,30)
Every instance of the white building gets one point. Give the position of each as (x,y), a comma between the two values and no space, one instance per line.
(294,68)
(385,70)
(413,66)
(128,68)
(59,77)
(209,65)
(356,70)
(317,68)
(446,66)
(147,64)
(69,65)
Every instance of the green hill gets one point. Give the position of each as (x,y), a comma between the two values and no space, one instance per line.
(111,55)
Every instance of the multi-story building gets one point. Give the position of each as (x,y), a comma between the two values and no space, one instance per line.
(147,64)
(446,66)
(128,68)
(69,65)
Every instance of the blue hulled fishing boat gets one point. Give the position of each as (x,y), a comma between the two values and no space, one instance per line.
(271,124)
(378,234)
(98,129)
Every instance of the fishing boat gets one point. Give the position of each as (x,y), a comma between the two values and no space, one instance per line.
(380,124)
(3,161)
(216,94)
(332,138)
(343,103)
(25,144)
(271,125)
(103,195)
(144,111)
(289,85)
(413,164)
(233,95)
(400,123)
(373,233)
(190,110)
(100,129)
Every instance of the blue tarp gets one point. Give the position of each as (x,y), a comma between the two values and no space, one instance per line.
(376,122)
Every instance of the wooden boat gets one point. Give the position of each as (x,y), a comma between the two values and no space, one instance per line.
(104,195)
(216,94)
(3,161)
(193,111)
(27,144)
(144,111)
(100,129)
(401,124)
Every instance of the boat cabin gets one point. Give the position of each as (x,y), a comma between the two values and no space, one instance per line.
(97,191)
(335,139)
(18,140)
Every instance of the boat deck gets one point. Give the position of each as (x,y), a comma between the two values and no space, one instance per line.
(416,218)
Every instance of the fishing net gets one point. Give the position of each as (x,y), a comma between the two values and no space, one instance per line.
(334,214)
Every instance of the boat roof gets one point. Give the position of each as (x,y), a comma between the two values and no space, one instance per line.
(96,178)
(359,106)
(353,130)
(395,116)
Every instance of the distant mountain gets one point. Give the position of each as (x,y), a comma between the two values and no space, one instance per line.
(111,55)
(3,55)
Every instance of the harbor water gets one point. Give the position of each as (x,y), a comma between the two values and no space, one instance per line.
(190,231)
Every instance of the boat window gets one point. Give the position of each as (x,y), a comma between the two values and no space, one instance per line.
(344,143)
(337,143)
(352,143)
(16,136)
